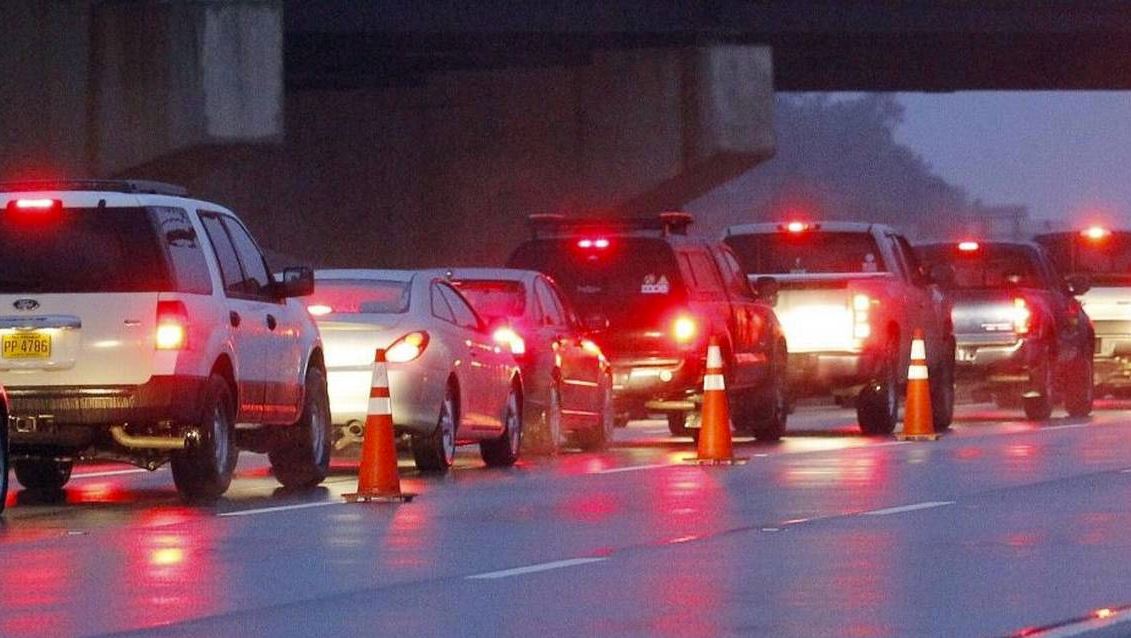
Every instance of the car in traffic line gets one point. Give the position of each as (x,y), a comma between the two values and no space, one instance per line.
(651,296)
(568,380)
(1022,335)
(1100,257)
(849,296)
(139,324)
(449,381)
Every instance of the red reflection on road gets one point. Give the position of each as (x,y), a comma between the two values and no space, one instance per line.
(170,572)
(37,589)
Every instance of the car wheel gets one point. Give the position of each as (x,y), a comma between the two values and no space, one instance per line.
(503,451)
(1079,387)
(1039,408)
(877,406)
(300,454)
(677,424)
(601,434)
(436,451)
(942,394)
(204,471)
(546,438)
(773,413)
(47,475)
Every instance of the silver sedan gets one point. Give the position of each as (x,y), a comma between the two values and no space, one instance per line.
(450,382)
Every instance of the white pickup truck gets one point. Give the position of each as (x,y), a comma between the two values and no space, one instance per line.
(849,297)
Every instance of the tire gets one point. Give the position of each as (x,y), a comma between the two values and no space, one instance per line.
(773,409)
(942,395)
(600,435)
(504,450)
(46,475)
(436,451)
(677,424)
(204,471)
(546,438)
(877,406)
(1039,408)
(300,455)
(1079,388)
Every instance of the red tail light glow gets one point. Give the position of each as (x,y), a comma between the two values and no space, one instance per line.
(684,329)
(407,348)
(1022,317)
(35,205)
(318,310)
(1095,233)
(968,246)
(797,227)
(172,325)
(506,336)
(599,243)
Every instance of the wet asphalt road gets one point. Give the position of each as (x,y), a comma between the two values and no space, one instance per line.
(999,527)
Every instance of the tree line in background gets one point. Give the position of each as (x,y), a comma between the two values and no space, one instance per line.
(839,159)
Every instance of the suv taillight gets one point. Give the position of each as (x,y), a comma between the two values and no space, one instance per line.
(172,325)
(685,329)
(1022,317)
(861,308)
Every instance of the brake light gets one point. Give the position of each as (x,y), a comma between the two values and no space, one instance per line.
(407,348)
(172,325)
(968,246)
(506,336)
(861,308)
(684,329)
(797,227)
(599,243)
(1022,317)
(1095,233)
(35,205)
(318,310)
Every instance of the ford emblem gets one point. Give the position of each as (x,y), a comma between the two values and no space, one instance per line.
(26,304)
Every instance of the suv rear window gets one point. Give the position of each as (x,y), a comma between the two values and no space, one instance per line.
(1106,260)
(494,299)
(786,253)
(361,296)
(987,267)
(633,278)
(76,250)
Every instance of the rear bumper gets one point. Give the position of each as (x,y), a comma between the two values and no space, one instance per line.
(641,387)
(995,363)
(818,373)
(415,395)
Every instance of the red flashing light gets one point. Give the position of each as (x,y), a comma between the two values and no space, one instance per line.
(1095,233)
(684,329)
(599,243)
(797,227)
(968,246)
(172,325)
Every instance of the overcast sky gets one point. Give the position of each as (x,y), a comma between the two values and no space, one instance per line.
(1063,154)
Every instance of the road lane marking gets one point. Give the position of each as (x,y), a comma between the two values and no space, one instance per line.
(635,468)
(83,475)
(280,508)
(531,569)
(1068,426)
(908,508)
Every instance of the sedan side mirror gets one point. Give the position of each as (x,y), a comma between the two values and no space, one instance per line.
(298,281)
(766,289)
(1079,284)
(942,275)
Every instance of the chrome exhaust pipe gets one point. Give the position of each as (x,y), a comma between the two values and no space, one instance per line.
(124,439)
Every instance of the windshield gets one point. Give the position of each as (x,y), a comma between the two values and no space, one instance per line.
(805,253)
(74,250)
(1107,259)
(631,281)
(494,299)
(990,266)
(359,296)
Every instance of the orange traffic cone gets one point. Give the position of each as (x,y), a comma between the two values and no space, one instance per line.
(918,424)
(377,479)
(715,446)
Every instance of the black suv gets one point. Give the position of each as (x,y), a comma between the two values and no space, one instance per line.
(652,296)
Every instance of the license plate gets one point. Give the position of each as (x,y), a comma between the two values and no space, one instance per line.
(30,345)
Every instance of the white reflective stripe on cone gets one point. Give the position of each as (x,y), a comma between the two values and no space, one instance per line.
(917,373)
(713,382)
(381,406)
(380,376)
(918,350)
(714,357)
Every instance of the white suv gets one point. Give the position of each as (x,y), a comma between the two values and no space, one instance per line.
(141,325)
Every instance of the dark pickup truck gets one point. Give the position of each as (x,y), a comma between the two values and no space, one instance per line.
(1022,335)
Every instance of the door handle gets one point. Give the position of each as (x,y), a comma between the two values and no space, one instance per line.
(234,319)
(271,322)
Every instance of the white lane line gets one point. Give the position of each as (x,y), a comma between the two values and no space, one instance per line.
(634,468)
(83,475)
(908,508)
(281,508)
(1068,426)
(531,569)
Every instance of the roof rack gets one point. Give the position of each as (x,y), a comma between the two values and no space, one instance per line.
(552,225)
(137,186)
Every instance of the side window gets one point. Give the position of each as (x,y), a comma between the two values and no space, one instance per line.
(733,277)
(257,280)
(567,310)
(555,314)
(230,272)
(910,261)
(703,272)
(440,308)
(182,249)
(465,316)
